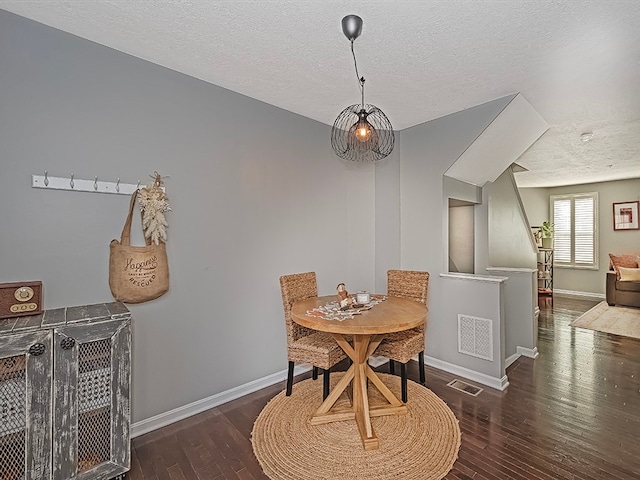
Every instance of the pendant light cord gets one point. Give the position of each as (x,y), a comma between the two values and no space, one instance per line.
(360,79)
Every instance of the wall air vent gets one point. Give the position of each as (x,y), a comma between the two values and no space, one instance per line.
(475,336)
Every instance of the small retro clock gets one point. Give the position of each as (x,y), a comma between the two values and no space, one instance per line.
(21,298)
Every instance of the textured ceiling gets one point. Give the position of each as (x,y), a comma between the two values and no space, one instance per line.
(577,62)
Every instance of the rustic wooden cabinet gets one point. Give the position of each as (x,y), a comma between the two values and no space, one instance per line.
(65,394)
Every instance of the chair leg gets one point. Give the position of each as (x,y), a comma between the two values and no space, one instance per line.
(325,383)
(392,367)
(290,379)
(403,381)
(314,373)
(423,380)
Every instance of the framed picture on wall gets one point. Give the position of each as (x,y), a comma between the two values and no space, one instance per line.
(625,216)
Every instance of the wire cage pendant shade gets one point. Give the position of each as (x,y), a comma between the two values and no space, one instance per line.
(362,132)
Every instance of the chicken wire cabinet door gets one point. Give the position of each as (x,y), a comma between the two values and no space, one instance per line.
(25,406)
(91,400)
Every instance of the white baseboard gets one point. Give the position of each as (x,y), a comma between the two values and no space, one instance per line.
(528,352)
(493,382)
(521,352)
(180,413)
(509,360)
(163,419)
(572,293)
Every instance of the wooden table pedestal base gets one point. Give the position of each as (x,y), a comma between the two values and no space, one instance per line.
(357,375)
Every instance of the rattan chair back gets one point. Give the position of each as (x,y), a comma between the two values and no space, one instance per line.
(404,345)
(296,287)
(410,284)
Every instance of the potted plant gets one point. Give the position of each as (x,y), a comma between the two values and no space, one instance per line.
(546,233)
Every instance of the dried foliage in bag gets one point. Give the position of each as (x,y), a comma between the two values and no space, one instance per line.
(153,205)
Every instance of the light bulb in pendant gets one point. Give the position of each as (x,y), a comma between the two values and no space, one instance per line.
(362,129)
(363,133)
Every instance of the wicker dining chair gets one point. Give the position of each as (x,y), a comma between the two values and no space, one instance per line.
(303,344)
(402,346)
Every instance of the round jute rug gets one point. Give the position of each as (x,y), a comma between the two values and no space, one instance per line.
(421,445)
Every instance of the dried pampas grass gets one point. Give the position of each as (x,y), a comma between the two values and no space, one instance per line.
(153,204)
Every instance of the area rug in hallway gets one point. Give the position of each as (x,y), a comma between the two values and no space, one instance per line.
(623,321)
(421,445)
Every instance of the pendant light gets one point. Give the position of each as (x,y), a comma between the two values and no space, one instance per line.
(362,132)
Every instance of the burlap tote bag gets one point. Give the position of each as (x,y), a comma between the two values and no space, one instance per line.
(137,274)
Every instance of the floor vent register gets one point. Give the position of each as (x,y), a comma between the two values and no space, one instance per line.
(465,387)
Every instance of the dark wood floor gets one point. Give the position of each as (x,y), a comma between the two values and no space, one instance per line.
(574,414)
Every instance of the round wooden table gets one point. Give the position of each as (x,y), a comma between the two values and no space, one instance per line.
(368,330)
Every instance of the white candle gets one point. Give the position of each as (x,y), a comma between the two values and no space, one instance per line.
(363,297)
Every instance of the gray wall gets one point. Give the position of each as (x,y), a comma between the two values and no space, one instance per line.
(256,193)
(609,240)
(476,296)
(510,241)
(459,190)
(520,301)
(461,236)
(255,190)
(536,203)
(427,152)
(387,212)
(455,193)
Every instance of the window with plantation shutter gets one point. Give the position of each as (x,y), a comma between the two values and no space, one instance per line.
(562,230)
(575,234)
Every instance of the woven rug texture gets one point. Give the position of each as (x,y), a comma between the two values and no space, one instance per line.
(421,445)
(623,321)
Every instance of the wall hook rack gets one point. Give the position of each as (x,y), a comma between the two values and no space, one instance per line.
(78,185)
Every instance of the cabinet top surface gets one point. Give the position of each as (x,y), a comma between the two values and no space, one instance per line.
(64,316)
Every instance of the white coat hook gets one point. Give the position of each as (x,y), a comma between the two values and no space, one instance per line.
(82,185)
